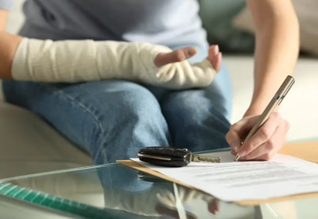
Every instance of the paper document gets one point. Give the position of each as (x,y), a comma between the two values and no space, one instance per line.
(242,181)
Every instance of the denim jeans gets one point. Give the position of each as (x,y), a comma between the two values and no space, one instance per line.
(114,119)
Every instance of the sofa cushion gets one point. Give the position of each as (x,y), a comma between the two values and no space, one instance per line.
(217,18)
(28,145)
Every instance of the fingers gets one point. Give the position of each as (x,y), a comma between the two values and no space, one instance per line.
(268,149)
(214,206)
(262,135)
(233,138)
(215,57)
(175,56)
(238,131)
(264,144)
(234,151)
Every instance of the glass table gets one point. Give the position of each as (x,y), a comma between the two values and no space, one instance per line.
(11,208)
(114,191)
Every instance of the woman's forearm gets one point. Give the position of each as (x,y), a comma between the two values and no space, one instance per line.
(74,61)
(3,19)
(8,45)
(277,47)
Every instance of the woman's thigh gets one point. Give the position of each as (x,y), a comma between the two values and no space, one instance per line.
(110,119)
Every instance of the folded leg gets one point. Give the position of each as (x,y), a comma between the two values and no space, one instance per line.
(110,119)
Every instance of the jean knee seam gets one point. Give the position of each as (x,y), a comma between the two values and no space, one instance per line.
(100,149)
(92,114)
(85,108)
(79,104)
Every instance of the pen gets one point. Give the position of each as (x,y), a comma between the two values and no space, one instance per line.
(276,101)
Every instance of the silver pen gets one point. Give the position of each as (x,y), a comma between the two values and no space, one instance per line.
(276,101)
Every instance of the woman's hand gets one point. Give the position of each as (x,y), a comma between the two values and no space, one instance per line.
(266,142)
(215,56)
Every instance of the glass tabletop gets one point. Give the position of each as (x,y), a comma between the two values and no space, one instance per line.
(116,191)
(15,209)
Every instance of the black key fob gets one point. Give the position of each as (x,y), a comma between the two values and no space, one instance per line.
(165,156)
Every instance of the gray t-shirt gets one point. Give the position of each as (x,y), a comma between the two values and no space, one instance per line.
(173,23)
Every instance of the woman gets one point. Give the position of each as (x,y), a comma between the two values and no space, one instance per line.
(113,119)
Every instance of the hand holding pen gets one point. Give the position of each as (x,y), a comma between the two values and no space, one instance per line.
(266,134)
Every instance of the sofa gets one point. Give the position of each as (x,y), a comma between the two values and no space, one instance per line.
(29,145)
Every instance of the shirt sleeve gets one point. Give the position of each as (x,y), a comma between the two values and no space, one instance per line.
(6,4)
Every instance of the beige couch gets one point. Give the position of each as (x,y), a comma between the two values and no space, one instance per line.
(29,145)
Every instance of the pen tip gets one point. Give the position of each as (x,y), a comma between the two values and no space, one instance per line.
(237,158)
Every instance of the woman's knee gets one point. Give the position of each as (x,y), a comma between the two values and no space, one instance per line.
(130,118)
(129,102)
(197,117)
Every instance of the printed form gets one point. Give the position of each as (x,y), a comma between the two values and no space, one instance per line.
(241,181)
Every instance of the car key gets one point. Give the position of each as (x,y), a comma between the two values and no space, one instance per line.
(172,157)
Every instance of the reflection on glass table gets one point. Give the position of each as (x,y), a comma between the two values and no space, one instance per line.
(116,191)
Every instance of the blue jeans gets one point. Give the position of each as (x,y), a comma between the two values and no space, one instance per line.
(114,119)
